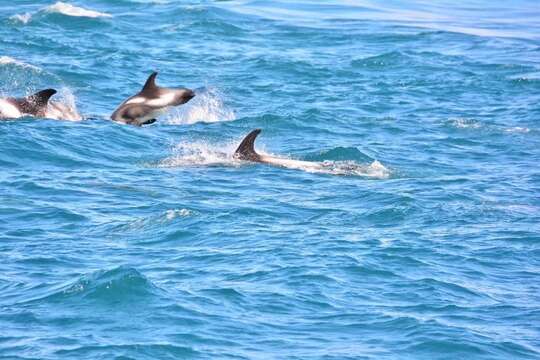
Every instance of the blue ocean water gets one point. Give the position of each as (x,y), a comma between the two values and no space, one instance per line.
(119,242)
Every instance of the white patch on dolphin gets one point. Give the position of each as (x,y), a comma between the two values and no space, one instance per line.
(8,110)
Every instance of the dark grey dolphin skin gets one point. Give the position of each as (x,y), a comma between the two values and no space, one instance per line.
(150,102)
(34,105)
(246,149)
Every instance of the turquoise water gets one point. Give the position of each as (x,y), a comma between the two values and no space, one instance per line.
(119,242)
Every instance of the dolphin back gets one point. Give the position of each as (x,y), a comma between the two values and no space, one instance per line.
(246,149)
(37,103)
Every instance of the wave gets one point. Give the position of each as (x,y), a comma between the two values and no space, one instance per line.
(206,106)
(115,285)
(63,9)
(70,10)
(205,154)
(518,129)
(22,18)
(7,60)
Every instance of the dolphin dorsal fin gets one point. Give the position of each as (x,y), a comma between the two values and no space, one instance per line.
(41,98)
(246,149)
(150,84)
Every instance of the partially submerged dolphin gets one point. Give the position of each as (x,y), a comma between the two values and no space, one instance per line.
(33,105)
(246,151)
(37,105)
(144,107)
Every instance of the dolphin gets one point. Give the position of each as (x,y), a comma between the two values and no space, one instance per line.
(152,101)
(246,151)
(33,105)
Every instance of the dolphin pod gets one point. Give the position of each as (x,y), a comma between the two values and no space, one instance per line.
(140,109)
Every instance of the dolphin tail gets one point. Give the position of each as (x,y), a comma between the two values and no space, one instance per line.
(246,149)
(41,98)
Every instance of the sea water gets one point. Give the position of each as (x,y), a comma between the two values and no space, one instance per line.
(420,240)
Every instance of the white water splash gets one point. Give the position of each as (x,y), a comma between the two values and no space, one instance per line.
(61,8)
(463,123)
(174,213)
(518,129)
(71,10)
(63,107)
(201,154)
(7,60)
(22,18)
(205,154)
(206,106)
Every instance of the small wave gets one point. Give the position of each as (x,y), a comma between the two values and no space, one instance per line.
(60,8)
(207,106)
(116,285)
(518,129)
(374,170)
(71,10)
(7,60)
(111,285)
(22,18)
(527,77)
(340,154)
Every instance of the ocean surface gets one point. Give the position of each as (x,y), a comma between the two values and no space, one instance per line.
(420,239)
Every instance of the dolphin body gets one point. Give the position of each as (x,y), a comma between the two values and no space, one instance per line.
(144,107)
(33,105)
(246,151)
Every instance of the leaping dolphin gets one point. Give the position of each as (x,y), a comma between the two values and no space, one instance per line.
(33,105)
(144,107)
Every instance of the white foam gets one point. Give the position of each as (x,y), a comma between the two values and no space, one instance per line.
(463,123)
(373,170)
(7,60)
(174,213)
(200,154)
(63,107)
(71,10)
(22,18)
(206,106)
(518,129)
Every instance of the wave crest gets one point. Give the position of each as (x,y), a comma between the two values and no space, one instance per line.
(111,285)
(71,10)
(60,8)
